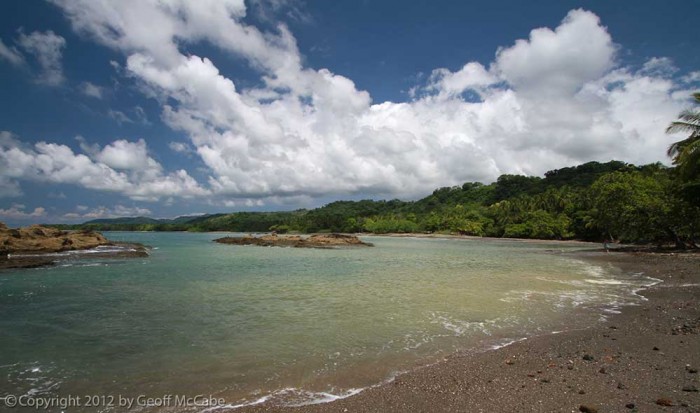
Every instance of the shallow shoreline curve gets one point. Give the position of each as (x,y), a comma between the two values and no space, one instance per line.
(644,359)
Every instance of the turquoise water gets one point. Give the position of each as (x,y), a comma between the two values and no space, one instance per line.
(294,325)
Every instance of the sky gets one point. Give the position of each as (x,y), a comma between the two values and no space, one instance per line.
(163,108)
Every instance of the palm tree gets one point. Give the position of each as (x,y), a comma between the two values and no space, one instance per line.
(686,153)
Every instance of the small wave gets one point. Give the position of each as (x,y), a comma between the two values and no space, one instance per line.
(607,282)
(594,270)
(293,397)
(34,379)
(508,342)
(239,405)
(102,249)
(650,283)
(80,264)
(575,283)
(461,327)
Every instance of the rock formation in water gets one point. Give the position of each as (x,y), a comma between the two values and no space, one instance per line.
(36,246)
(296,241)
(43,239)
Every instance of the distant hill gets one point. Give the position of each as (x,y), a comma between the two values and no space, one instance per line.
(566,203)
(123,221)
(147,220)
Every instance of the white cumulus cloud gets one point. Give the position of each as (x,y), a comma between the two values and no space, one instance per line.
(117,211)
(557,98)
(18,212)
(122,167)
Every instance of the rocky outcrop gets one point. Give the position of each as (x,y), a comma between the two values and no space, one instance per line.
(296,241)
(44,239)
(36,246)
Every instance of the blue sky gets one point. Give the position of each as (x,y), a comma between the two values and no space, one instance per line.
(123,108)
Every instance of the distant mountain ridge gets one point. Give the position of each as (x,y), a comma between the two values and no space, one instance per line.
(146,220)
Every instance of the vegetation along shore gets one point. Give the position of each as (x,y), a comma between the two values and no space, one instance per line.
(593,201)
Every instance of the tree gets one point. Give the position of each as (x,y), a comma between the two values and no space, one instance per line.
(633,207)
(686,153)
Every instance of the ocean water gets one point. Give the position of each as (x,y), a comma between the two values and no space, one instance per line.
(293,326)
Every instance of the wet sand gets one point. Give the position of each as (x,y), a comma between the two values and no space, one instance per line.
(645,359)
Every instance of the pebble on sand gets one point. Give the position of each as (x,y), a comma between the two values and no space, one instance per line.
(662,401)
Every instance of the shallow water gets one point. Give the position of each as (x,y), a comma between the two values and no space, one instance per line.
(295,325)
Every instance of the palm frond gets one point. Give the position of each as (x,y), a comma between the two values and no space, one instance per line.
(677,147)
(690,116)
(680,126)
(673,150)
(688,160)
(686,153)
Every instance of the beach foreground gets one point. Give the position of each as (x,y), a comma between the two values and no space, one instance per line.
(644,359)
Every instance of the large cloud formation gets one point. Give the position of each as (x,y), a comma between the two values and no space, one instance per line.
(558,98)
(122,166)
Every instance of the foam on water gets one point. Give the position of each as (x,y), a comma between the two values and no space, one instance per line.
(607,282)
(102,249)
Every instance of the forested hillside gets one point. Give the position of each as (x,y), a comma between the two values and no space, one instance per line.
(593,201)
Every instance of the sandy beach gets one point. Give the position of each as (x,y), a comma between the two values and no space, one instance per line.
(645,358)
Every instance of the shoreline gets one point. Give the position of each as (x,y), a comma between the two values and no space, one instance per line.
(644,358)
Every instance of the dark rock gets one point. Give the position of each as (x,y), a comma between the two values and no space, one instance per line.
(655,348)
(587,409)
(690,388)
(621,386)
(663,401)
(691,370)
(630,405)
(602,370)
(295,241)
(588,357)
(581,391)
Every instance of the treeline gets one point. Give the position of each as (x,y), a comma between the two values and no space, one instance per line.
(594,201)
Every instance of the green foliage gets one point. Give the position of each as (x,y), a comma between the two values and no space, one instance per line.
(582,175)
(686,153)
(631,206)
(592,201)
(386,225)
(540,224)
(509,186)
